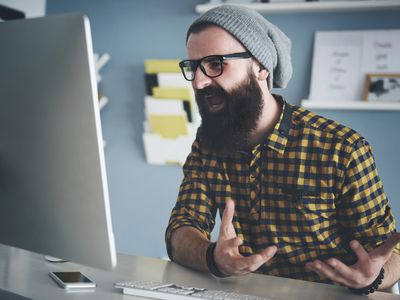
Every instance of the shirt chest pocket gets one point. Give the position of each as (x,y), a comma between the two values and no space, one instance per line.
(295,217)
(309,206)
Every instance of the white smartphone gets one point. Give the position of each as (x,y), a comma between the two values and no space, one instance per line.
(72,280)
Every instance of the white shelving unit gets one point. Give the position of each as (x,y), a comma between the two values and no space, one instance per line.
(351,105)
(313,6)
(100,61)
(103,102)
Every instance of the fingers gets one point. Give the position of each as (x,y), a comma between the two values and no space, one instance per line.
(363,272)
(244,265)
(255,261)
(387,248)
(360,252)
(233,244)
(383,252)
(231,262)
(269,252)
(340,267)
(356,276)
(322,270)
(226,228)
(229,211)
(326,270)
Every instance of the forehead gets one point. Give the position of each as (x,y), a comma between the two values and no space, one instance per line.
(210,41)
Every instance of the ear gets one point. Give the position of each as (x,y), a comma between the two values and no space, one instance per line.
(262,74)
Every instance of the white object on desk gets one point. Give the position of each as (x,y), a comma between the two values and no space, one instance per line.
(72,280)
(54,259)
(170,291)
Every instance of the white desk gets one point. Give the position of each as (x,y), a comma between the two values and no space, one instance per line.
(26,273)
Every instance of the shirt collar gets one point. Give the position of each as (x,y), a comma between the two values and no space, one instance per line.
(278,137)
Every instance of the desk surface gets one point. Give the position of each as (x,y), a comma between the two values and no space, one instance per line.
(26,274)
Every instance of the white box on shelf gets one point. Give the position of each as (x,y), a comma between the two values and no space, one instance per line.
(162,151)
(103,102)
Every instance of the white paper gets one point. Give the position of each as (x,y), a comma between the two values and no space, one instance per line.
(163,106)
(161,151)
(342,60)
(172,80)
(336,65)
(381,52)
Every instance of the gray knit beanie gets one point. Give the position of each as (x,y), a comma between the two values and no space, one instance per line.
(266,42)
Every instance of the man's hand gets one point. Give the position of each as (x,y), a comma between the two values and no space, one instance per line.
(362,273)
(227,257)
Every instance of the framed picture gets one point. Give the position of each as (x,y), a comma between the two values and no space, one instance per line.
(382,87)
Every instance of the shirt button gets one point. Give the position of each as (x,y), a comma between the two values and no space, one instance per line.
(252,177)
(253,195)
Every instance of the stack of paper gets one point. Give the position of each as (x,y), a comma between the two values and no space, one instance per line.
(171,115)
(99,62)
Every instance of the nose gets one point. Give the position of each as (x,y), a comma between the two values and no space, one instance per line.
(200,80)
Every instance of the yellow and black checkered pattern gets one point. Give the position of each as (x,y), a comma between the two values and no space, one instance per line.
(309,189)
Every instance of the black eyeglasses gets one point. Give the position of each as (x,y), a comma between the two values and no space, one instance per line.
(211,66)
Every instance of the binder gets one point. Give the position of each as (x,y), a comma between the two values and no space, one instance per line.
(159,106)
(168,126)
(186,94)
(152,66)
(165,80)
(173,93)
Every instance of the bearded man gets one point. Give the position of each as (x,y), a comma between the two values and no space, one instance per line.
(299,195)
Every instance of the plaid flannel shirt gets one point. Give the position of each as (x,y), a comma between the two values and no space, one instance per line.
(310,189)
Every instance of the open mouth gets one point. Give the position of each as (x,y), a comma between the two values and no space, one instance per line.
(214,103)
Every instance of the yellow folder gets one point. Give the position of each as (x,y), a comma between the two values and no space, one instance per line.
(172,93)
(169,126)
(152,66)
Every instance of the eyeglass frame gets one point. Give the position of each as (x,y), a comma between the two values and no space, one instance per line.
(198,63)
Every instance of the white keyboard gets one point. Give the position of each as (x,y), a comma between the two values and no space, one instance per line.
(170,291)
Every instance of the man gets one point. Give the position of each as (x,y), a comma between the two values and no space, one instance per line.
(299,194)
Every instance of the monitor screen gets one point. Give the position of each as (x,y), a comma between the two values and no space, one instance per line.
(53,185)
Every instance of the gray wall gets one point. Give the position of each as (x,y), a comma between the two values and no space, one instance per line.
(131,31)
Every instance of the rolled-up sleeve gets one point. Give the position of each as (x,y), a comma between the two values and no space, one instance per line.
(364,211)
(194,207)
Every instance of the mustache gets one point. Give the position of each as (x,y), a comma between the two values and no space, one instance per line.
(213,91)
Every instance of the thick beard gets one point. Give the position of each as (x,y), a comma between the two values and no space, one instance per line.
(228,130)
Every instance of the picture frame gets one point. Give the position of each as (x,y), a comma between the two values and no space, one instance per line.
(382,87)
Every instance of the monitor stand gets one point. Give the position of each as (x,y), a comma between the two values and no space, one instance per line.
(54,259)
(11,296)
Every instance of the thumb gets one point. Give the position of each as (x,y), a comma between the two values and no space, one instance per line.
(269,251)
(386,249)
(236,242)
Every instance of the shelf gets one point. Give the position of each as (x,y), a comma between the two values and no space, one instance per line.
(351,105)
(103,102)
(313,7)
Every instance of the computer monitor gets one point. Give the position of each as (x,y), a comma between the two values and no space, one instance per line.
(53,186)
(8,13)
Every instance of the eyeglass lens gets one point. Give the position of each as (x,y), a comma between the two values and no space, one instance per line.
(211,66)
